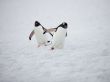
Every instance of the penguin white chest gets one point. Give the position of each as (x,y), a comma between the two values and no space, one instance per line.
(41,39)
(59,38)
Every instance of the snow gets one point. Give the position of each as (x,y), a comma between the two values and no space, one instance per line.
(85,57)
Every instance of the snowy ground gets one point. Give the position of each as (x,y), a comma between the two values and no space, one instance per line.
(85,57)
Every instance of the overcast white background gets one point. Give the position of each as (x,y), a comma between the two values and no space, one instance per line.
(85,57)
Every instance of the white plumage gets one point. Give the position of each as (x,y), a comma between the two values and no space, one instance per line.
(59,38)
(41,39)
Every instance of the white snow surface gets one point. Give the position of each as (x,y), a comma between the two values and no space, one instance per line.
(85,57)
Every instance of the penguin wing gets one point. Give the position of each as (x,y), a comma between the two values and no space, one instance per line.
(51,29)
(46,31)
(31,34)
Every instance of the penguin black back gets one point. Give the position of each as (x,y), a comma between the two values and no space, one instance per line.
(37,24)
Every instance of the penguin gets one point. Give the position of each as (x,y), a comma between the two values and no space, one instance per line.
(59,36)
(39,32)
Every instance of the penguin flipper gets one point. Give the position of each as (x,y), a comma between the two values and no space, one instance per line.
(51,29)
(31,34)
(46,31)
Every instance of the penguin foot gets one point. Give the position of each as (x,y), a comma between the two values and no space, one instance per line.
(48,41)
(52,48)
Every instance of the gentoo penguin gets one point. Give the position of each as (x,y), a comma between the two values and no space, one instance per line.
(59,36)
(39,32)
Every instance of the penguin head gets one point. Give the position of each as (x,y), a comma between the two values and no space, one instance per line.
(64,25)
(37,24)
